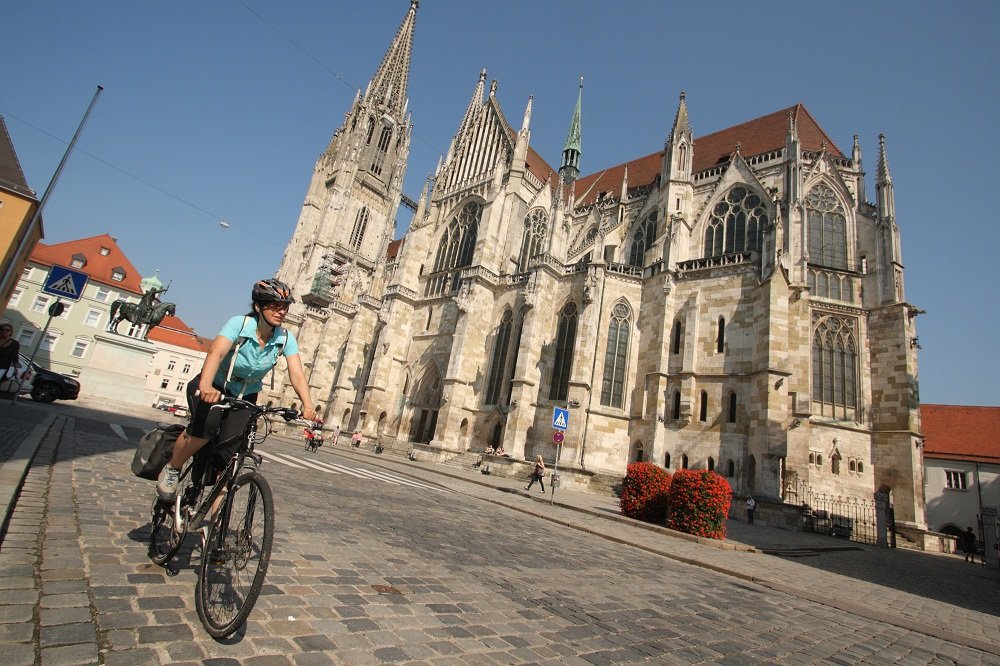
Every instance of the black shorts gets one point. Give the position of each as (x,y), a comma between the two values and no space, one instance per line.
(207,422)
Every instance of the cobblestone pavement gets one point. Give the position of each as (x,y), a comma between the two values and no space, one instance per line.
(469,570)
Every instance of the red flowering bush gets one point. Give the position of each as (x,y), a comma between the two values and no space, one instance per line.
(699,503)
(645,492)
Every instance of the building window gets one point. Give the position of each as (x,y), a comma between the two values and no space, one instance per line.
(827,228)
(66,308)
(720,336)
(80,348)
(711,464)
(731,469)
(616,357)
(186,369)
(105,251)
(684,461)
(835,464)
(93,318)
(536,228)
(26,273)
(171,364)
(26,336)
(565,343)
(102,294)
(703,414)
(118,274)
(78,261)
(835,367)
(666,461)
(360,226)
(643,238)
(675,410)
(737,223)
(15,297)
(501,343)
(861,467)
(675,342)
(459,240)
(165,383)
(955,480)
(180,386)
(41,302)
(732,406)
(49,342)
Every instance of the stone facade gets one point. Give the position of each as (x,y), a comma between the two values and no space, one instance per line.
(733,302)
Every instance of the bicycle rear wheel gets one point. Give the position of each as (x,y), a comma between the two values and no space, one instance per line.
(236,557)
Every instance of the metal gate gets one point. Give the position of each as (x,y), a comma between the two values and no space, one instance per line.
(852,518)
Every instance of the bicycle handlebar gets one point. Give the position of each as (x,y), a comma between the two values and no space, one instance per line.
(286,413)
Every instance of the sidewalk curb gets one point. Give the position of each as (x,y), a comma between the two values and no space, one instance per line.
(15,470)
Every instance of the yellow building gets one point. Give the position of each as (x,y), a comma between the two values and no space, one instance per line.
(17,208)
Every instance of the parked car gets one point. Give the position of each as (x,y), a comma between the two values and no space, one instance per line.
(182,412)
(48,385)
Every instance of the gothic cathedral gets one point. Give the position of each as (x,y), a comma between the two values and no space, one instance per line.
(731,302)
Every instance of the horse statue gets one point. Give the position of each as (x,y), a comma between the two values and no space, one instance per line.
(149,310)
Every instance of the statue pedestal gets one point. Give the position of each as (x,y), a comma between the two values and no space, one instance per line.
(117,369)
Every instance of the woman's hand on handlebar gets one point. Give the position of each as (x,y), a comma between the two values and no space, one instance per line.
(310,414)
(209,394)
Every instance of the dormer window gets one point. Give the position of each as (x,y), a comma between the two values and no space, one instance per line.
(78,261)
(105,251)
(118,274)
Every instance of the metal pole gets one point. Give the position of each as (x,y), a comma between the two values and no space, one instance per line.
(38,346)
(37,217)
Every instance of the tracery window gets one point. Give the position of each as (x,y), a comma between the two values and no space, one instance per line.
(616,357)
(565,343)
(459,239)
(536,228)
(360,226)
(643,238)
(500,347)
(835,367)
(378,158)
(737,223)
(827,228)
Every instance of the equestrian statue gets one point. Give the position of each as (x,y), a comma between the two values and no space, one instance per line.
(149,310)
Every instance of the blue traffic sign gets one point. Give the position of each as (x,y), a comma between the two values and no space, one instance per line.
(65,283)
(560,418)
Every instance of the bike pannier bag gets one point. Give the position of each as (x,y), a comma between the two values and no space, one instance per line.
(155,449)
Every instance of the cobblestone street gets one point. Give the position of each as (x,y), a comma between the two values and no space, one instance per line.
(377,563)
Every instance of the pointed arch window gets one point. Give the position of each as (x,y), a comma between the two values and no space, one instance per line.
(681,156)
(501,343)
(565,343)
(827,228)
(684,461)
(360,227)
(643,238)
(536,228)
(616,357)
(675,409)
(675,342)
(835,367)
(378,158)
(736,224)
(703,413)
(732,406)
(459,240)
(711,464)
(720,336)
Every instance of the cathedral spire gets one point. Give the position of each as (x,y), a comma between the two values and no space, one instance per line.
(681,123)
(387,89)
(570,167)
(856,163)
(883,184)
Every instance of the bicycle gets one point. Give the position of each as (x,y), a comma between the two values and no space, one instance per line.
(239,507)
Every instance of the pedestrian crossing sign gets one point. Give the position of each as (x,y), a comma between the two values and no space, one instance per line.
(560,418)
(65,283)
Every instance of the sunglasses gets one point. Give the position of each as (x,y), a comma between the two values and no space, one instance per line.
(274,305)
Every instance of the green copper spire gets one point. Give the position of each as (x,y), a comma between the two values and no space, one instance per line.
(570,167)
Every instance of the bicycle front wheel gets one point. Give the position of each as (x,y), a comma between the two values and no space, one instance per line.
(235,558)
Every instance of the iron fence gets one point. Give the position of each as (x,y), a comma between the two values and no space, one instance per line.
(852,518)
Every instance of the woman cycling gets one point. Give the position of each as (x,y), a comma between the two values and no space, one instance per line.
(245,350)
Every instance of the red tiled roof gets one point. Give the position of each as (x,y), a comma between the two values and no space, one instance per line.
(393,250)
(755,137)
(98,266)
(958,432)
(173,331)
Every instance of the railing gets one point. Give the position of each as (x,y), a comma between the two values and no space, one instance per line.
(731,259)
(399,289)
(852,518)
(624,269)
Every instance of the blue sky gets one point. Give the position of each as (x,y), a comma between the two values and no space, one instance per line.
(217,111)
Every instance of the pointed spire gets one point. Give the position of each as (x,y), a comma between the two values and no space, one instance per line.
(883,175)
(793,131)
(856,162)
(526,121)
(681,123)
(388,88)
(475,103)
(624,192)
(570,167)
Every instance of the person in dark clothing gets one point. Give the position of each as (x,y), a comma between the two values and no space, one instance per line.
(9,350)
(538,474)
(969,545)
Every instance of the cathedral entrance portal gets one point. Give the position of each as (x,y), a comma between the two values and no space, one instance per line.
(425,403)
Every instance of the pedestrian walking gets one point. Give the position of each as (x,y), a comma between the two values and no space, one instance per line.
(538,474)
(751,506)
(969,545)
(9,350)
(336,434)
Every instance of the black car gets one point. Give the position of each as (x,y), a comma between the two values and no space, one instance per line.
(51,386)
